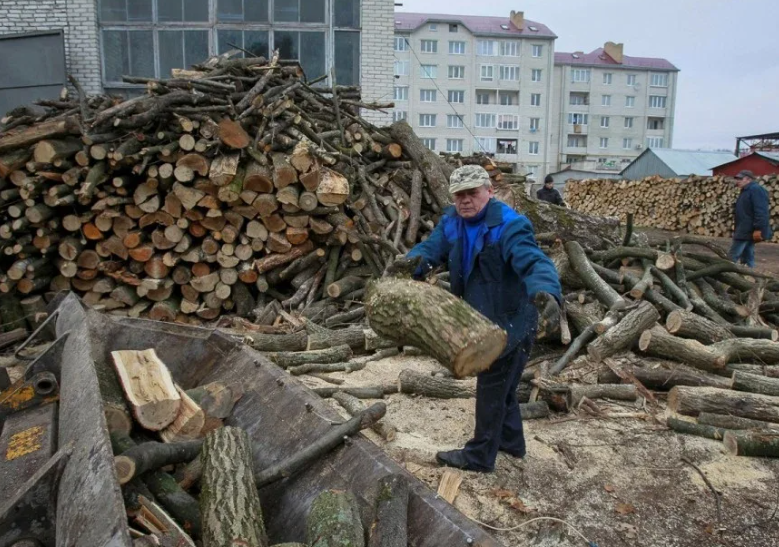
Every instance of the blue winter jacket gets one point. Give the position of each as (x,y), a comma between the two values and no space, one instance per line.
(751,213)
(508,269)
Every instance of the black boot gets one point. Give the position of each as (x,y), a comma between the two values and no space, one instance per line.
(457,459)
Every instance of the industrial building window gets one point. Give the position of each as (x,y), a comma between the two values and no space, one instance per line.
(429,46)
(535,123)
(507,146)
(654,142)
(427,120)
(607,78)
(627,143)
(456,72)
(509,73)
(456,96)
(454,145)
(150,37)
(486,47)
(535,75)
(605,100)
(659,80)
(428,71)
(657,101)
(532,148)
(484,144)
(454,121)
(487,73)
(535,99)
(401,43)
(401,68)
(509,48)
(427,95)
(538,50)
(401,93)
(457,48)
(485,121)
(398,115)
(580,75)
(630,101)
(429,144)
(508,122)
(631,79)
(604,142)
(604,121)
(629,122)
(577,119)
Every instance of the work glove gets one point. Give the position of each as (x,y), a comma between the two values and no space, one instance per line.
(548,314)
(403,266)
(757,236)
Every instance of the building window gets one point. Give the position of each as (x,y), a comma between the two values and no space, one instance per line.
(654,142)
(538,50)
(487,73)
(509,48)
(454,121)
(427,120)
(454,145)
(347,52)
(482,98)
(432,27)
(604,142)
(427,95)
(578,99)
(532,148)
(629,122)
(398,115)
(577,141)
(605,100)
(577,119)
(535,123)
(630,101)
(428,71)
(657,101)
(486,121)
(535,75)
(452,27)
(506,99)
(659,80)
(456,72)
(457,48)
(509,73)
(183,48)
(535,99)
(429,143)
(607,78)
(456,96)
(486,47)
(580,75)
(429,46)
(655,124)
(484,144)
(401,93)
(508,122)
(307,47)
(604,122)
(627,143)
(292,11)
(507,146)
(631,79)
(401,43)
(401,68)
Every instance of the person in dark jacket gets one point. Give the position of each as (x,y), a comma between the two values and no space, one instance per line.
(751,219)
(548,192)
(496,265)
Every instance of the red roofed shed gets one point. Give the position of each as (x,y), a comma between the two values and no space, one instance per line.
(760,163)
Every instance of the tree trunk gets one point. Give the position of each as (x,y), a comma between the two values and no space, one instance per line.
(726,421)
(625,334)
(622,392)
(697,429)
(152,456)
(752,443)
(754,383)
(694,400)
(663,379)
(417,383)
(657,342)
(581,265)
(334,521)
(691,325)
(354,406)
(335,354)
(229,500)
(117,416)
(427,161)
(363,392)
(437,322)
(390,527)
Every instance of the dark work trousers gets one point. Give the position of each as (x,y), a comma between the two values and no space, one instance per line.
(498,421)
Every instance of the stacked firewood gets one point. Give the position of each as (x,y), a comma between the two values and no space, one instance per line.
(696,205)
(224,188)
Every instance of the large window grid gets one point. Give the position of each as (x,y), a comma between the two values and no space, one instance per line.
(148,37)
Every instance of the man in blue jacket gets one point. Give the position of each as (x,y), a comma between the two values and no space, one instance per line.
(496,266)
(751,219)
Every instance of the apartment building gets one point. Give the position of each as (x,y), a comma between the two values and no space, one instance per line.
(477,84)
(609,107)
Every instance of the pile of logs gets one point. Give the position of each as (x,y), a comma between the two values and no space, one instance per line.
(224,188)
(695,205)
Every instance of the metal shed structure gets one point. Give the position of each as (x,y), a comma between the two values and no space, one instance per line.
(670,163)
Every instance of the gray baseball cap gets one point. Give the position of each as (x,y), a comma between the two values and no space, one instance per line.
(745,173)
(468,177)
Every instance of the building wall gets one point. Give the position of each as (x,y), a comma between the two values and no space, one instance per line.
(614,156)
(539,163)
(78,20)
(378,24)
(759,166)
(648,165)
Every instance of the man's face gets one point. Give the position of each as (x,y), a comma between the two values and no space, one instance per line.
(549,185)
(469,203)
(743,181)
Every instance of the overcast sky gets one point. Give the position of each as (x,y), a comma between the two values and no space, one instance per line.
(726,50)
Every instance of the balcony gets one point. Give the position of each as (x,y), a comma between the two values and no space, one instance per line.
(577,129)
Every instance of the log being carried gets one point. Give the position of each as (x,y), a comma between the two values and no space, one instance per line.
(496,267)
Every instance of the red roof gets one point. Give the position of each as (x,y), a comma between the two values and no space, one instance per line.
(477,24)
(599,58)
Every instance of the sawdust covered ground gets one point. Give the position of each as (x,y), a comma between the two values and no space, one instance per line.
(620,481)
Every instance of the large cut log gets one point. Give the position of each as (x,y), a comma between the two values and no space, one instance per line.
(691,428)
(581,265)
(755,383)
(625,334)
(229,500)
(390,526)
(659,343)
(665,377)
(152,456)
(691,325)
(335,354)
(21,137)
(694,400)
(148,387)
(725,421)
(622,392)
(334,521)
(417,383)
(435,321)
(427,161)
(756,444)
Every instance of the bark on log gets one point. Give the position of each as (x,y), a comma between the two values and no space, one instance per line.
(659,343)
(534,410)
(151,456)
(726,421)
(390,526)
(416,383)
(625,334)
(663,379)
(335,354)
(692,401)
(117,415)
(622,392)
(364,392)
(692,428)
(216,399)
(581,265)
(691,325)
(229,500)
(756,444)
(334,521)
(429,318)
(354,406)
(427,161)
(755,383)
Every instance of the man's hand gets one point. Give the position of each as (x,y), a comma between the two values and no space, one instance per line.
(757,236)
(403,266)
(548,314)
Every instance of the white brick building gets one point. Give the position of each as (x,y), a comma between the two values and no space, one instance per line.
(477,84)
(609,107)
(106,39)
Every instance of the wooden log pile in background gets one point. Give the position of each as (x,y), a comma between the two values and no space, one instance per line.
(697,205)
